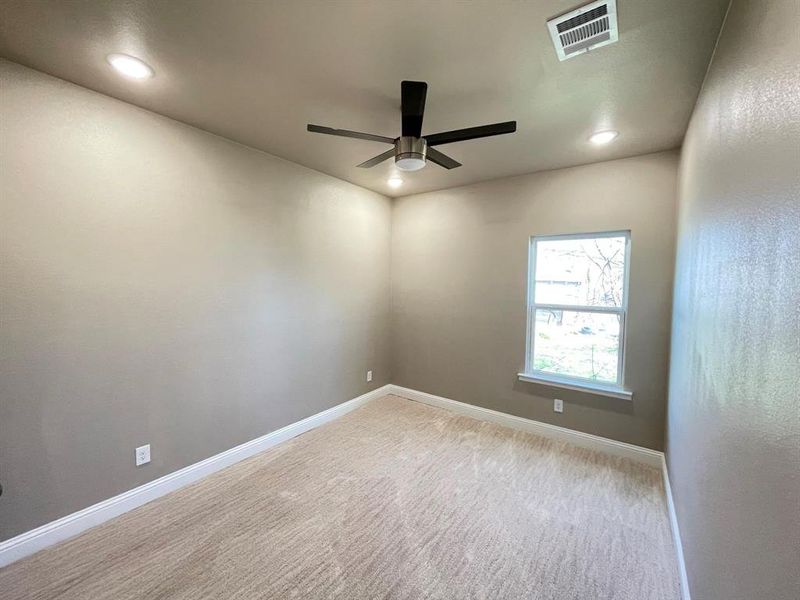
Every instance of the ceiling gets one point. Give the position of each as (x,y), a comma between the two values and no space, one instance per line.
(258,71)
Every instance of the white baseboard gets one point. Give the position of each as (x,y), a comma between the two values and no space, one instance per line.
(647,456)
(56,531)
(676,532)
(584,440)
(51,533)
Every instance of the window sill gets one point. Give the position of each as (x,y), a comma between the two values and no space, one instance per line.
(592,388)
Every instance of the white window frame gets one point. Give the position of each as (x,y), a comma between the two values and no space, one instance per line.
(617,389)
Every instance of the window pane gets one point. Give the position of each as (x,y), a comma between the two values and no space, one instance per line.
(577,344)
(586,272)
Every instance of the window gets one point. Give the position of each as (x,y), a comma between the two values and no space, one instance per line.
(577,302)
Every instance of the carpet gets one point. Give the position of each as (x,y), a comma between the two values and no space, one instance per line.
(394,501)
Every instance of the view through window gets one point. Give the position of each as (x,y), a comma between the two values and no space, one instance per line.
(577,305)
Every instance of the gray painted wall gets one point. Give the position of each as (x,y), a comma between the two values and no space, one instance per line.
(459,277)
(159,284)
(734,406)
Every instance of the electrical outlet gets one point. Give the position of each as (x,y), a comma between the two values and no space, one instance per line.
(558,405)
(142,455)
(369,376)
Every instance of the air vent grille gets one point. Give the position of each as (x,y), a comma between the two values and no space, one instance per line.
(589,15)
(584,29)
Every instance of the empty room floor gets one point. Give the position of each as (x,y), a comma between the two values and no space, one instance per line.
(396,500)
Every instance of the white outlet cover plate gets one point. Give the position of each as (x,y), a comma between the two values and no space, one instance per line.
(142,455)
(558,405)
(369,376)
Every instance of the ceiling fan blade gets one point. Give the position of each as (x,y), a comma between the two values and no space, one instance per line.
(378,159)
(413,95)
(350,134)
(441,159)
(471,133)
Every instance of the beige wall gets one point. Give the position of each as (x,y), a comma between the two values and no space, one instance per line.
(734,408)
(459,276)
(162,285)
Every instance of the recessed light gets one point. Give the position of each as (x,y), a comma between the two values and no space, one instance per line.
(395,182)
(603,137)
(130,66)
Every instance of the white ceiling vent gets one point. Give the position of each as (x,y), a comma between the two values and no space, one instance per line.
(584,29)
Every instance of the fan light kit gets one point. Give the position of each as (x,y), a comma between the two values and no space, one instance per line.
(130,66)
(603,137)
(412,150)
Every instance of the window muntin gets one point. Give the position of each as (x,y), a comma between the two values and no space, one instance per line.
(577,307)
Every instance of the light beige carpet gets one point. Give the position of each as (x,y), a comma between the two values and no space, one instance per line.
(396,500)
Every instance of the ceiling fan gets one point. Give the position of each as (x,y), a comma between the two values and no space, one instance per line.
(411,150)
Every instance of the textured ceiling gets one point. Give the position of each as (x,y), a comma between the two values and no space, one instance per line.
(257,72)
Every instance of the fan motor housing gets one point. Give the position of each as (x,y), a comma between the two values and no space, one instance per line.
(410,153)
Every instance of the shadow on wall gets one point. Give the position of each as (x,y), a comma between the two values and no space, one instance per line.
(604,403)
